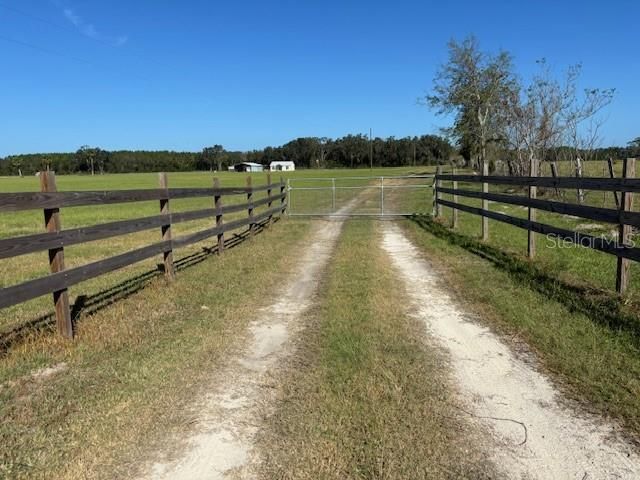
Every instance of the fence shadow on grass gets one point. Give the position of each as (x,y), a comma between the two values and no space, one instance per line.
(91,304)
(600,306)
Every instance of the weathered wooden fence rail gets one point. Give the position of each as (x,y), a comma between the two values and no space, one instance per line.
(55,239)
(622,247)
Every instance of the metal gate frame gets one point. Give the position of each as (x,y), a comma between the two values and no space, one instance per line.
(333,188)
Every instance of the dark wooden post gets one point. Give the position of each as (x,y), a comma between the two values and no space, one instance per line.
(250,207)
(485,202)
(438,194)
(624,235)
(217,197)
(612,174)
(270,220)
(533,193)
(169,271)
(53,224)
(283,195)
(454,213)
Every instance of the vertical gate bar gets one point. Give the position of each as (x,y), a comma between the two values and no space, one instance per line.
(381,195)
(624,236)
(53,224)
(217,198)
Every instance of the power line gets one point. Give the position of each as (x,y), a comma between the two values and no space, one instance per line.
(35,17)
(57,53)
(74,31)
(45,50)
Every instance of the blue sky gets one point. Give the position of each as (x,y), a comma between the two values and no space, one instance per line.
(142,74)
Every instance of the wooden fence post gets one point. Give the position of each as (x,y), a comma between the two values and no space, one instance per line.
(270,220)
(454,212)
(438,194)
(554,174)
(217,203)
(485,202)
(612,174)
(169,270)
(580,191)
(53,224)
(250,207)
(624,235)
(283,195)
(533,193)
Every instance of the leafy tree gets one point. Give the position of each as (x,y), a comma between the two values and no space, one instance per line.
(213,155)
(89,156)
(472,85)
(16,164)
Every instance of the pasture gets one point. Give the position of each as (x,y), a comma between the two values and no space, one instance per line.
(27,267)
(124,388)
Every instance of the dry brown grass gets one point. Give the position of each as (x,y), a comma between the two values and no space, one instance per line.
(366,396)
(134,367)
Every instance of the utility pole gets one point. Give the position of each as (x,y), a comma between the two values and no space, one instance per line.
(370,149)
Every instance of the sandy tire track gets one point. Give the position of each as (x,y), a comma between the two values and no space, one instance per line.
(537,437)
(228,419)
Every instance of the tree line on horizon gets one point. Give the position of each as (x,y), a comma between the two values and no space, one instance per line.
(350,151)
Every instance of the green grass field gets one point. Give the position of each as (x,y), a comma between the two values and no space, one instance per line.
(26,267)
(142,356)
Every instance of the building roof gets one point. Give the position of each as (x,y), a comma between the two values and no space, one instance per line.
(251,164)
(282,162)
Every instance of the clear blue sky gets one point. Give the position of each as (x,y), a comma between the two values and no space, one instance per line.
(148,74)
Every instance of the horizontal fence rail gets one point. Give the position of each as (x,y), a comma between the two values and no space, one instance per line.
(56,239)
(13,202)
(623,217)
(587,183)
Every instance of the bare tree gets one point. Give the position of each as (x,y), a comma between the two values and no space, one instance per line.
(533,119)
(548,114)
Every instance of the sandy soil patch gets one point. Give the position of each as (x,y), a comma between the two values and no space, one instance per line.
(534,434)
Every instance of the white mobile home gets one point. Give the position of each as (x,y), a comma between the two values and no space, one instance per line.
(282,166)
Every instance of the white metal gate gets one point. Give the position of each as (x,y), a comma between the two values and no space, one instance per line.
(360,196)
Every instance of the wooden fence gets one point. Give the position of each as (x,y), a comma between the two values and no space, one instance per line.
(623,216)
(55,239)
